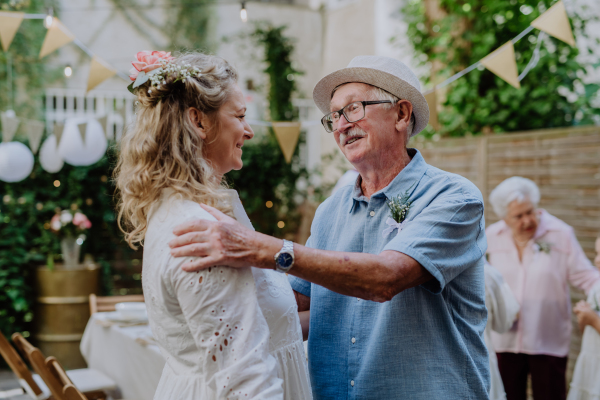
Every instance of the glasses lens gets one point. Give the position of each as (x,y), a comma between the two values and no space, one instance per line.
(328,123)
(354,111)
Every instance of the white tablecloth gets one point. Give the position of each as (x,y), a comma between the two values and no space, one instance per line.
(113,350)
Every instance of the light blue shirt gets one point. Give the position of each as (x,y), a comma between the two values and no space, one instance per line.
(427,342)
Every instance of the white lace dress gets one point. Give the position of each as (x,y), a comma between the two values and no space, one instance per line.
(585,384)
(225,333)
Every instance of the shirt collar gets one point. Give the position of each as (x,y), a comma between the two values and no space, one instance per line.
(407,179)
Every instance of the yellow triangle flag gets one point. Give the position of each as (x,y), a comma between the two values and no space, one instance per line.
(502,63)
(82,128)
(34,130)
(9,25)
(9,127)
(432,103)
(58,131)
(287,134)
(104,122)
(555,22)
(99,72)
(56,37)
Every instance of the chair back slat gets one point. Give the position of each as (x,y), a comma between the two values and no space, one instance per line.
(16,364)
(107,303)
(70,392)
(36,359)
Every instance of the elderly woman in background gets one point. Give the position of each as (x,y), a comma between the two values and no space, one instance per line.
(538,255)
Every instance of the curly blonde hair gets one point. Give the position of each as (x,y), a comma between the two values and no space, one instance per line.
(163,149)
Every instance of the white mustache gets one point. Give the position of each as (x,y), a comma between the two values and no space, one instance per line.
(355,131)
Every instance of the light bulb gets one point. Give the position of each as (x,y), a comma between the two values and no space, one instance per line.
(68,71)
(244,13)
(49,19)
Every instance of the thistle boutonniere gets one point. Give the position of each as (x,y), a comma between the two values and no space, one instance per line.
(542,246)
(399,207)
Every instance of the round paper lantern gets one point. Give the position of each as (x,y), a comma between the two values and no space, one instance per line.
(74,150)
(16,161)
(49,158)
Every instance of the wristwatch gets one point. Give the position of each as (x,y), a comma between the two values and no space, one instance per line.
(284,260)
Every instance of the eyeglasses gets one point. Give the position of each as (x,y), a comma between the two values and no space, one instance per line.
(353,112)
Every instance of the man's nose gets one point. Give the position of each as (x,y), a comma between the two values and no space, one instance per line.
(343,124)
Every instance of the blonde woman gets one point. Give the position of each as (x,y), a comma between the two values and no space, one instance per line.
(225,333)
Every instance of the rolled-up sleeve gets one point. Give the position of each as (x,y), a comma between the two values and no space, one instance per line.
(300,285)
(446,237)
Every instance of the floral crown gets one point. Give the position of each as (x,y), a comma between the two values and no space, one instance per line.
(155,66)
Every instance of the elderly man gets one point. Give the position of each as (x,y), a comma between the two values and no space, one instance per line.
(397,301)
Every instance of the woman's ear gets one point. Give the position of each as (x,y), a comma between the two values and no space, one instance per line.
(404,112)
(199,121)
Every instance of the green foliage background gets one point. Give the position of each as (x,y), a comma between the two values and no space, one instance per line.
(266,176)
(480,101)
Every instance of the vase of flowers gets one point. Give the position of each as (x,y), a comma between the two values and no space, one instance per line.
(70,226)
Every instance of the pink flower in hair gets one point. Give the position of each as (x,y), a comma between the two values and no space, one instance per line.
(147,61)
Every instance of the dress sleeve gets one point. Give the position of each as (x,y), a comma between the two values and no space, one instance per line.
(581,272)
(500,300)
(446,238)
(221,308)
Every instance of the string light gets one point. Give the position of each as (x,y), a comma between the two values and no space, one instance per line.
(49,18)
(56,183)
(269,204)
(68,71)
(243,12)
(280,224)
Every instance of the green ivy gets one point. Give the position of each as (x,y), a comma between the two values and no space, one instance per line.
(482,102)
(266,176)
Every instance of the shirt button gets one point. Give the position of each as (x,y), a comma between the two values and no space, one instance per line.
(357,299)
(372,213)
(353,340)
(351,383)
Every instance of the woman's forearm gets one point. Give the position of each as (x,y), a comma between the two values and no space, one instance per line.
(304,323)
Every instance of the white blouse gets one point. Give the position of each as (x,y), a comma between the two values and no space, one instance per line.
(502,308)
(226,333)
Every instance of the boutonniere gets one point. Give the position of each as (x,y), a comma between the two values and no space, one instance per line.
(541,246)
(399,206)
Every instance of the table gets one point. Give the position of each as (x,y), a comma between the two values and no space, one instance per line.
(125,354)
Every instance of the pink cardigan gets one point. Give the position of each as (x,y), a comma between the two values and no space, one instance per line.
(540,284)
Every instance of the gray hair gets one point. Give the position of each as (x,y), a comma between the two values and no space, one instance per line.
(380,94)
(511,189)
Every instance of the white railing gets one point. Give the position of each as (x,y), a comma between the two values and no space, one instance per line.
(66,103)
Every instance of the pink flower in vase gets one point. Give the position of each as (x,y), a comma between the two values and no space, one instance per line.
(81,221)
(55,223)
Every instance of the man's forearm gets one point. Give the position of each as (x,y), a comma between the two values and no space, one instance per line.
(367,276)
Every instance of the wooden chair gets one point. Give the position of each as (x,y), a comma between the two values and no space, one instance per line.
(107,303)
(92,383)
(69,391)
(16,364)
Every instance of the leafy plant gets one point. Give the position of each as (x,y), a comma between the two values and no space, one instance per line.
(462,32)
(267,184)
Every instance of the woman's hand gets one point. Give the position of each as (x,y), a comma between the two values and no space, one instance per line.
(585,315)
(221,242)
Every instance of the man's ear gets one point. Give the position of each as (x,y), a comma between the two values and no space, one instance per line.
(199,121)
(405,110)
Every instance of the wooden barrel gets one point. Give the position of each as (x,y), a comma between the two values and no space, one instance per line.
(62,311)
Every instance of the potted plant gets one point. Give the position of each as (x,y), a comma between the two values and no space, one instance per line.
(70,227)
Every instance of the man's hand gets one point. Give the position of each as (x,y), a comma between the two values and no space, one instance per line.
(221,242)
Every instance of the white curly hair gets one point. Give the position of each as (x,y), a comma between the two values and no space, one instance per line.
(511,189)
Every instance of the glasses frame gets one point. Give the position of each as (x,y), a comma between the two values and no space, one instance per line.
(342,112)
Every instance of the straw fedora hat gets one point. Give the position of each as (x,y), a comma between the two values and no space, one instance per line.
(383,72)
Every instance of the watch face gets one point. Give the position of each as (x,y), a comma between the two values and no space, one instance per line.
(285,260)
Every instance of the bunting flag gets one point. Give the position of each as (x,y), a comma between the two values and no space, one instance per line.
(502,62)
(58,131)
(9,25)
(9,127)
(99,72)
(104,122)
(555,22)
(56,37)
(433,115)
(82,128)
(287,134)
(34,130)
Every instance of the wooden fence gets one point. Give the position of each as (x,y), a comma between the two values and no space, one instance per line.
(564,162)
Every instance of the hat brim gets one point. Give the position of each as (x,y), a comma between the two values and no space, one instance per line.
(388,82)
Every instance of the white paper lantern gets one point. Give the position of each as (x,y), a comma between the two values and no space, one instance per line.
(72,148)
(49,158)
(16,161)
